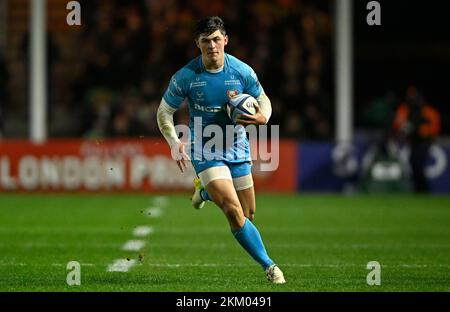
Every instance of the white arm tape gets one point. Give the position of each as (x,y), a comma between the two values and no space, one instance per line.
(265,105)
(164,117)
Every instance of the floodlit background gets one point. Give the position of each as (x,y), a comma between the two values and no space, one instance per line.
(364,171)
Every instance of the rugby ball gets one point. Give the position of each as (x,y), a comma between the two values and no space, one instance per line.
(241,104)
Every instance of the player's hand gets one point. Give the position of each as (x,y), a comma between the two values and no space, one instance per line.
(256,119)
(179,154)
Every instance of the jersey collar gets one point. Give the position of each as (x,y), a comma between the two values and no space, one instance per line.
(215,71)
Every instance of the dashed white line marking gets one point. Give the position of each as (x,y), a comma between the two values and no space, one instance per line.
(143,230)
(160,201)
(133,245)
(121,265)
(153,212)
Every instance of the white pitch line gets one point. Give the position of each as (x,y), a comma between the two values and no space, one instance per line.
(153,212)
(121,265)
(143,230)
(301,265)
(82,264)
(133,245)
(13,264)
(292,246)
(172,231)
(178,265)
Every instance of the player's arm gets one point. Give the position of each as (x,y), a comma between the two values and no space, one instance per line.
(264,107)
(164,117)
(171,101)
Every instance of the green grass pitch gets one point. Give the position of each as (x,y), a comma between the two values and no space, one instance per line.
(321,242)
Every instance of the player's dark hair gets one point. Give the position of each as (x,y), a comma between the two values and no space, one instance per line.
(208,25)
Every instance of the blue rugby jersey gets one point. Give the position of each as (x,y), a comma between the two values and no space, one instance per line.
(207,94)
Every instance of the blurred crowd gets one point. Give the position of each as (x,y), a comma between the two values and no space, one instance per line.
(4,76)
(130,49)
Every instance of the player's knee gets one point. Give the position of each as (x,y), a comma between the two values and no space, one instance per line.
(234,217)
(231,208)
(249,214)
(232,212)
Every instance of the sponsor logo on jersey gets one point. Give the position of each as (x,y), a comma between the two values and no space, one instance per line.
(175,84)
(198,84)
(207,109)
(232,82)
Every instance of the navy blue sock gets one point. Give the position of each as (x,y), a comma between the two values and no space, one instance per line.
(204,195)
(250,239)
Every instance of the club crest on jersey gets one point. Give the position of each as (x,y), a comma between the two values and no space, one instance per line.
(232,93)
